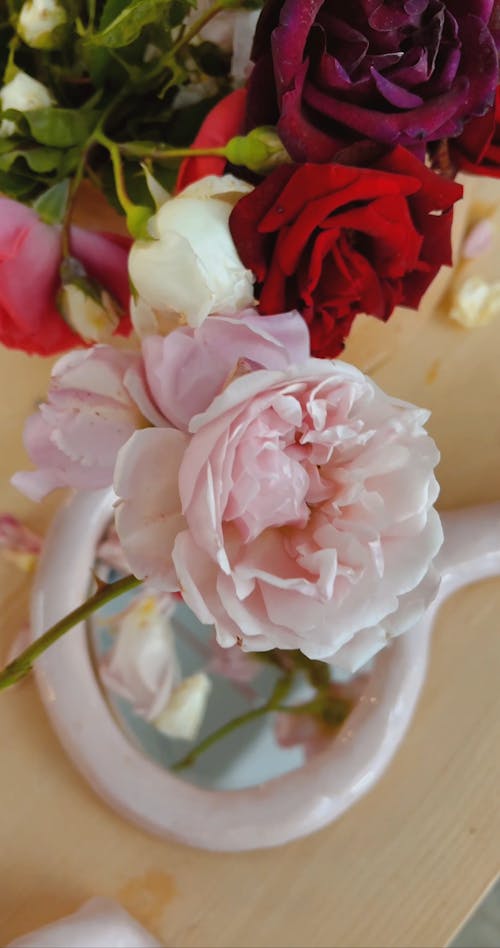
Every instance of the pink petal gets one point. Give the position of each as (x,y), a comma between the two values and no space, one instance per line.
(148,515)
(186,369)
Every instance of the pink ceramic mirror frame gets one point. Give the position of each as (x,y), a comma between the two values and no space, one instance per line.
(281,809)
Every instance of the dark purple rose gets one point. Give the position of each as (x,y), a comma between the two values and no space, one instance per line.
(406,72)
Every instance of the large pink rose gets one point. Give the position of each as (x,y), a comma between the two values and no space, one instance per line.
(30,258)
(296,512)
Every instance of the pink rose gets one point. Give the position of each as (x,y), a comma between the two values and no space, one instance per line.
(99,397)
(75,436)
(296,512)
(188,368)
(30,258)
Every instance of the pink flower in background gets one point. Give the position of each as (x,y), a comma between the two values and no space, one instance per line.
(297,512)
(18,543)
(110,552)
(75,436)
(310,731)
(30,258)
(303,730)
(233,664)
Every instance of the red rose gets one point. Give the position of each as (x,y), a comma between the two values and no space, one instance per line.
(403,72)
(333,240)
(478,148)
(30,260)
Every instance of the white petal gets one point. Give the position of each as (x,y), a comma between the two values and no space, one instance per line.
(168,276)
(184,713)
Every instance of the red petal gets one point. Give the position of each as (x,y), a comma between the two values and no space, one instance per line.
(222,123)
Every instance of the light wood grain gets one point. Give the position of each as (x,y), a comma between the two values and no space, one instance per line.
(408,863)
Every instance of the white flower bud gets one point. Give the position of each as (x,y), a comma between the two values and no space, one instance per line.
(93,317)
(23,94)
(41,23)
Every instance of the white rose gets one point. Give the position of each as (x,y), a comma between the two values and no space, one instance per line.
(23,94)
(40,23)
(191,269)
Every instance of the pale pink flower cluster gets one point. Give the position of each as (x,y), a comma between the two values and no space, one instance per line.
(288,499)
(89,414)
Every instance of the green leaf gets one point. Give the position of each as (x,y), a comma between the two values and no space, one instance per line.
(128,25)
(166,176)
(40,160)
(99,61)
(110,11)
(178,11)
(17,186)
(6,144)
(61,128)
(70,159)
(51,205)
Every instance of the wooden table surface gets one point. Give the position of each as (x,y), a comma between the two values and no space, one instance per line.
(407,864)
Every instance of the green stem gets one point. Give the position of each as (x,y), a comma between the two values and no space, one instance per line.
(165,61)
(93,139)
(73,188)
(91,13)
(280,692)
(196,26)
(118,173)
(10,68)
(157,154)
(217,735)
(21,665)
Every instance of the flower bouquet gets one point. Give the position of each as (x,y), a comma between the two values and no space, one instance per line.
(259,509)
